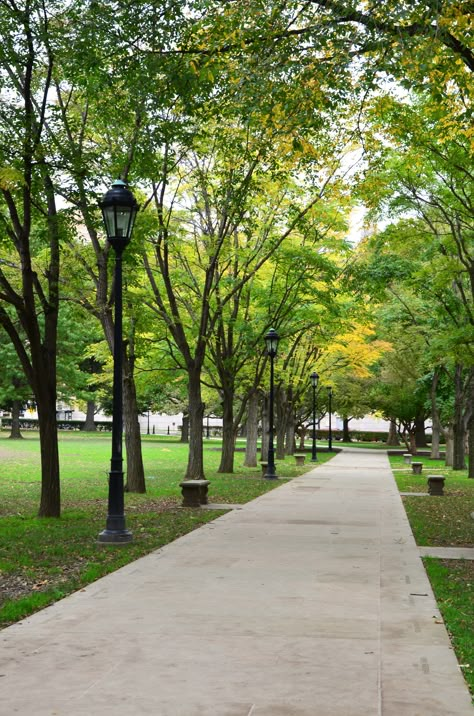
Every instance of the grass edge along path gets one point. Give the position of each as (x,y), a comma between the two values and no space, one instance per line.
(452,581)
(445,521)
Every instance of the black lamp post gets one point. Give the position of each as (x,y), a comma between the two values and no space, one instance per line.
(119,209)
(330,412)
(314,383)
(271,341)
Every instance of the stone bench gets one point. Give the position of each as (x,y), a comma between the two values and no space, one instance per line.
(416,468)
(194,492)
(407,458)
(436,484)
(264,466)
(299,459)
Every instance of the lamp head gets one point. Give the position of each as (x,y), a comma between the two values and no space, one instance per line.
(119,209)
(271,341)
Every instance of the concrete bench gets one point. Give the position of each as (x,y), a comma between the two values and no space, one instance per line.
(194,492)
(264,466)
(416,468)
(299,459)
(436,484)
(407,458)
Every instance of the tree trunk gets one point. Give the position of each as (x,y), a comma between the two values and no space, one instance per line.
(133,442)
(459,462)
(448,436)
(346,436)
(89,423)
(252,431)
(470,428)
(281,408)
(290,433)
(265,428)
(435,440)
(471,448)
(228,434)
(185,428)
(50,503)
(420,434)
(412,438)
(15,433)
(302,435)
(195,467)
(392,439)
(436,424)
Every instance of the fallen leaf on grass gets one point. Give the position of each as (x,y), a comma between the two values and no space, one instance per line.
(39,585)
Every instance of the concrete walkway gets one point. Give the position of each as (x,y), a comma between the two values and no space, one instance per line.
(310,601)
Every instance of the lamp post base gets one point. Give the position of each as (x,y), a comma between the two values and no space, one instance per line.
(114,537)
(270,476)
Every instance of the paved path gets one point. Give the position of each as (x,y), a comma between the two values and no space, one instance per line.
(310,601)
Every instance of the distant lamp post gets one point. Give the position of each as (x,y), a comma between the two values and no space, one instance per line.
(271,342)
(314,383)
(119,209)
(330,413)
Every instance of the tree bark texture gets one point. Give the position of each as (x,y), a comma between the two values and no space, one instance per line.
(346,436)
(185,429)
(265,428)
(195,467)
(15,433)
(471,449)
(420,434)
(448,436)
(435,421)
(252,431)
(290,448)
(392,439)
(89,423)
(435,440)
(135,481)
(50,502)
(280,410)
(228,432)
(459,462)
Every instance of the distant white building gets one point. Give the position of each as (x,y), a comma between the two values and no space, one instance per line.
(164,424)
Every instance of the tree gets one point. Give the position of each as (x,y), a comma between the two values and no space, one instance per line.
(14,388)
(424,171)
(32,224)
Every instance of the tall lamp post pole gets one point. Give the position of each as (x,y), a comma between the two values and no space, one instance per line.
(119,209)
(330,412)
(271,342)
(314,383)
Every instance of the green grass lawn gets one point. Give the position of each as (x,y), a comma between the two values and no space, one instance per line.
(445,521)
(42,560)
(452,581)
(437,521)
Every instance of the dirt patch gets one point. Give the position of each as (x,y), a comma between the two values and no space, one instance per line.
(15,586)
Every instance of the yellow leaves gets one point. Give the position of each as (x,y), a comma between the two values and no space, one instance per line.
(356,350)
(10,178)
